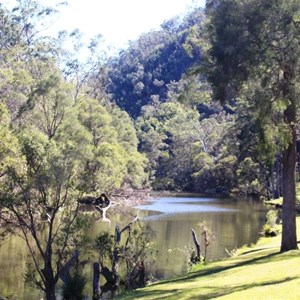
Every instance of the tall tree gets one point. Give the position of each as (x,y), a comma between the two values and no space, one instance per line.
(41,171)
(43,149)
(255,52)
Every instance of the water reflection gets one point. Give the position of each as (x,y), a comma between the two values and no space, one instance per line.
(183,205)
(233,223)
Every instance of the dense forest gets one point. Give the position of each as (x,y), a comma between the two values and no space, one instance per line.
(144,118)
(206,104)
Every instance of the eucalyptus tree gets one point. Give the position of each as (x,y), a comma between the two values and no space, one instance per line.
(38,203)
(165,137)
(114,159)
(40,186)
(10,154)
(254,52)
(42,152)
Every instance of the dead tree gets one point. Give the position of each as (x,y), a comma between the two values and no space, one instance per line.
(207,239)
(103,204)
(196,257)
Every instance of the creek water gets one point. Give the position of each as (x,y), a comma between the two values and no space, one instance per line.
(233,224)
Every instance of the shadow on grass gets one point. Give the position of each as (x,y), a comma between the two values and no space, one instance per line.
(153,294)
(256,250)
(193,293)
(216,291)
(262,259)
(224,291)
(218,269)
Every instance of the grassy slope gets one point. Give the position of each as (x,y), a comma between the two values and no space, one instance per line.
(260,272)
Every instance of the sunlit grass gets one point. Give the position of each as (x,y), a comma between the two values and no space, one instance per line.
(258,272)
(279,201)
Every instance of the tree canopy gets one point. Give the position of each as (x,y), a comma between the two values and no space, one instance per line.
(146,118)
(255,53)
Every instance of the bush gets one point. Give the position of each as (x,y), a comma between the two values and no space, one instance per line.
(74,286)
(271,228)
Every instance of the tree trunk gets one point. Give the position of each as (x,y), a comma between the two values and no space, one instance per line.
(50,282)
(96,281)
(141,275)
(197,245)
(50,292)
(289,236)
(278,177)
(272,182)
(115,267)
(65,273)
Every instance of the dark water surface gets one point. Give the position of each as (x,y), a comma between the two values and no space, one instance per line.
(233,223)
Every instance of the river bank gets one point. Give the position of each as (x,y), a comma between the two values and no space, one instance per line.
(258,272)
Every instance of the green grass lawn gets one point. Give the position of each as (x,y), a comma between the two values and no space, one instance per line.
(260,272)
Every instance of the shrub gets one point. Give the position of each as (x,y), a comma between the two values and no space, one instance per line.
(271,228)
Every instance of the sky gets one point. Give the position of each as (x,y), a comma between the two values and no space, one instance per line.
(117,20)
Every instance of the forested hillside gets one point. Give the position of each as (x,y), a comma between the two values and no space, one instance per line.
(148,69)
(192,142)
(209,103)
(143,118)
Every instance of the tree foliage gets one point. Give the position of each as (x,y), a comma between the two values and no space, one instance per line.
(255,52)
(143,72)
(144,118)
(55,148)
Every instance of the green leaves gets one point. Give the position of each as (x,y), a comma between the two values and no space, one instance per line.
(255,43)
(114,158)
(56,144)
(254,54)
(11,158)
(103,244)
